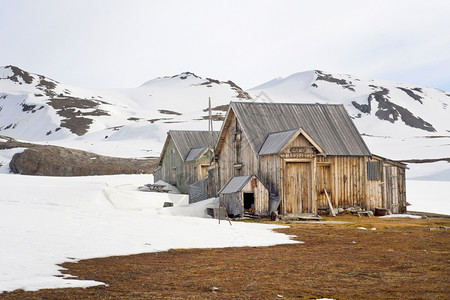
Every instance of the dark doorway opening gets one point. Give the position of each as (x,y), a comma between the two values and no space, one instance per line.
(249,202)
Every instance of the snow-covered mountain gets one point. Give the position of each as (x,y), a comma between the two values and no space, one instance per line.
(396,109)
(36,108)
(397,120)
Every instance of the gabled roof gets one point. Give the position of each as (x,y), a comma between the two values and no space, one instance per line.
(235,184)
(328,125)
(276,142)
(187,140)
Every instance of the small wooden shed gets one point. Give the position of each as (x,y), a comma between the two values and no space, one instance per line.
(185,157)
(244,195)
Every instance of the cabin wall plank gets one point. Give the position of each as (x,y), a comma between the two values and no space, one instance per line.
(236,152)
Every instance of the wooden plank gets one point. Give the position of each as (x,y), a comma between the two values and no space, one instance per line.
(329,203)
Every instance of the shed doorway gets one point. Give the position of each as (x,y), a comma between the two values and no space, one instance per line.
(249,202)
(298,186)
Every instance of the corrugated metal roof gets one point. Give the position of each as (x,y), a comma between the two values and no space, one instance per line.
(328,125)
(235,184)
(275,141)
(195,153)
(185,140)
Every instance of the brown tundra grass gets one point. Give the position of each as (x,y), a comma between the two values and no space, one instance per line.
(401,259)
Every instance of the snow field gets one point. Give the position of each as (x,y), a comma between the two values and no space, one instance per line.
(428,196)
(45,221)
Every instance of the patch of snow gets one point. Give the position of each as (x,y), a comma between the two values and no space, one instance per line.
(436,171)
(127,197)
(6,156)
(400,216)
(59,219)
(5,72)
(197,209)
(428,196)
(363,228)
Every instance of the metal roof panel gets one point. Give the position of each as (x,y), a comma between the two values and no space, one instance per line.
(328,125)
(185,140)
(275,141)
(195,153)
(235,184)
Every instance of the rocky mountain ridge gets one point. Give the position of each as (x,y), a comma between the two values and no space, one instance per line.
(416,110)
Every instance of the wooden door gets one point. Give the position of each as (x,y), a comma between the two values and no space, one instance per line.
(202,171)
(323,183)
(298,187)
(392,180)
(395,193)
(391,189)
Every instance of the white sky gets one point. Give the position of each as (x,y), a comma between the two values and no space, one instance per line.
(123,43)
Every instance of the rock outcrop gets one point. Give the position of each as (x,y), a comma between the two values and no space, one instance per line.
(48,160)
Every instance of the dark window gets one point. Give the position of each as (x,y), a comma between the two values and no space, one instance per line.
(374,169)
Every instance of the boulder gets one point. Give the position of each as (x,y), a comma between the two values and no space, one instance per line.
(47,160)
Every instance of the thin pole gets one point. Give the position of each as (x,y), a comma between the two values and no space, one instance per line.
(210,116)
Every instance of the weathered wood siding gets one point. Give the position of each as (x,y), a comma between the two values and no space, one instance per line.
(324,182)
(374,192)
(236,151)
(202,165)
(171,165)
(390,191)
(348,180)
(213,181)
(269,173)
(401,182)
(346,177)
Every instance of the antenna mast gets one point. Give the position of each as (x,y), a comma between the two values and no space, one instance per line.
(210,123)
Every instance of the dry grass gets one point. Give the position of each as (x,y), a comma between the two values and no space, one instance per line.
(402,259)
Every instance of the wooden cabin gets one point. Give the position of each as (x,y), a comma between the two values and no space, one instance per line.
(185,157)
(244,195)
(303,153)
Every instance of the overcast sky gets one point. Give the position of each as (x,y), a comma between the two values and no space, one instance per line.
(115,43)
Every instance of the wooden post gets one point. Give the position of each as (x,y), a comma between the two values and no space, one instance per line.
(226,216)
(329,203)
